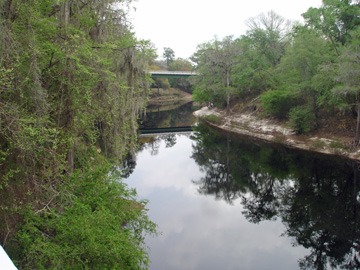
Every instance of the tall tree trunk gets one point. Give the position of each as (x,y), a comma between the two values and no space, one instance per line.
(66,14)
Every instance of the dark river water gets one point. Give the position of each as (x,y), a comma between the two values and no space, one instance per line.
(223,201)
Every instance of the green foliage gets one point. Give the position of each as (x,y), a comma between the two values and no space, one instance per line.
(100,227)
(182,65)
(338,145)
(279,102)
(162,83)
(215,61)
(72,82)
(348,71)
(302,119)
(315,64)
(169,55)
(335,18)
(201,95)
(213,119)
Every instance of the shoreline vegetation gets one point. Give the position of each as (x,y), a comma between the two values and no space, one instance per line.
(301,78)
(72,83)
(251,123)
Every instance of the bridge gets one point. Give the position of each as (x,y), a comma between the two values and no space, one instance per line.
(171,74)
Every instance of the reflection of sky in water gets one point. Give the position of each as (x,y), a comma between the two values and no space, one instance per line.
(199,232)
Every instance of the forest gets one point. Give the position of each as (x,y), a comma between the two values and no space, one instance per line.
(305,74)
(72,82)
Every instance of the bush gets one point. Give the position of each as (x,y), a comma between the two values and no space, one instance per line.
(100,225)
(302,119)
(213,119)
(278,102)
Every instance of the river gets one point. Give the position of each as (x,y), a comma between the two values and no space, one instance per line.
(223,201)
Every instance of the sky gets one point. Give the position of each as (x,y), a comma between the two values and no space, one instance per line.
(183,24)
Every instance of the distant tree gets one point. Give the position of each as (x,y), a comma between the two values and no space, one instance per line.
(169,55)
(215,61)
(181,65)
(262,48)
(268,34)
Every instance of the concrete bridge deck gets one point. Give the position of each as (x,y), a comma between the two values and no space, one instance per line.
(171,74)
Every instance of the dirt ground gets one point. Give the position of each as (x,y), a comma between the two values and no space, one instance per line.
(333,136)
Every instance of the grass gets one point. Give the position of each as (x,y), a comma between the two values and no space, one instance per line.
(336,145)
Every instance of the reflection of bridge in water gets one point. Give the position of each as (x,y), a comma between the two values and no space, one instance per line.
(171,74)
(164,131)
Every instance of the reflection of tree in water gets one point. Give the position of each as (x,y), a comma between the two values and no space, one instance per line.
(322,214)
(217,180)
(151,143)
(127,168)
(154,144)
(314,196)
(179,117)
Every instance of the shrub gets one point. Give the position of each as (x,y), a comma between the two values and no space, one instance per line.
(278,102)
(213,119)
(302,119)
(100,225)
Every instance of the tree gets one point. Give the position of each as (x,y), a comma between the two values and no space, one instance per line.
(262,48)
(348,76)
(295,76)
(335,19)
(268,34)
(215,61)
(169,55)
(180,64)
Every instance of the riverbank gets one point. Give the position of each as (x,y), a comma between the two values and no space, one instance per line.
(248,123)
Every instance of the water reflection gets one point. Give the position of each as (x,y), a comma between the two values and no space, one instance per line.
(315,197)
(165,116)
(199,232)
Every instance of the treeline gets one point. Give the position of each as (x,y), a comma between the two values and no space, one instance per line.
(299,72)
(72,82)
